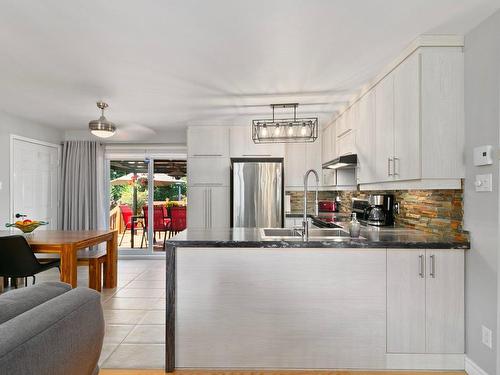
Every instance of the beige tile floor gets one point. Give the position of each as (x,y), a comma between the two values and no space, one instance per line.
(134,313)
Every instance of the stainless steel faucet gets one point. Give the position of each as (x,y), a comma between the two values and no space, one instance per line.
(305,222)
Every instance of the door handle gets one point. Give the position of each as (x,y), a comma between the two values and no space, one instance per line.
(421,272)
(432,273)
(389,160)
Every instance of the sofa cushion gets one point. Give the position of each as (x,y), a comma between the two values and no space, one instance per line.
(16,302)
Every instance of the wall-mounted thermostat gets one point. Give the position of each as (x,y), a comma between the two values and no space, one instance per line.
(483,155)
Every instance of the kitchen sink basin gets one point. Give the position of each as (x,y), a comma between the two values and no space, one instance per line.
(315,234)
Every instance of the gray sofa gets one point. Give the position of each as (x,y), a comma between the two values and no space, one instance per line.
(50,329)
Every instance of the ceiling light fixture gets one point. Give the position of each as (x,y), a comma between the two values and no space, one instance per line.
(306,128)
(101,127)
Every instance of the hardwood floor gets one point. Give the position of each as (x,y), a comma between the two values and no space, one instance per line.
(263,372)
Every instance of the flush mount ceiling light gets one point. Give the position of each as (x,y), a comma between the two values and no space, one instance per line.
(287,130)
(102,127)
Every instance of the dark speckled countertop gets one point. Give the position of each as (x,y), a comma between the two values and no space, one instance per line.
(372,238)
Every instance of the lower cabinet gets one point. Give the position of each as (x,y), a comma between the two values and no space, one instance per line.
(425,301)
(208,207)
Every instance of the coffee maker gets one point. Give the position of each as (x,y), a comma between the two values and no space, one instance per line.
(381,210)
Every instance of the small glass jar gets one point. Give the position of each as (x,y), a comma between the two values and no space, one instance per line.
(354,226)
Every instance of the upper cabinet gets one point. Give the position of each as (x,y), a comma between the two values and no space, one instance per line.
(408,129)
(365,142)
(242,145)
(299,158)
(208,141)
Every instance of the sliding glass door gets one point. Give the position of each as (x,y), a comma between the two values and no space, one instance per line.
(147,202)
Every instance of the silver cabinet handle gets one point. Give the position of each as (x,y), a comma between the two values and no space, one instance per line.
(433,266)
(421,272)
(395,173)
(210,208)
(206,208)
(389,160)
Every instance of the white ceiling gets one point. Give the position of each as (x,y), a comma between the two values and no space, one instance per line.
(170,63)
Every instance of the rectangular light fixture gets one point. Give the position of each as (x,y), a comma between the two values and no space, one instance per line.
(287,130)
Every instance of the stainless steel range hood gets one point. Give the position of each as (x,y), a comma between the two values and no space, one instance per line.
(343,162)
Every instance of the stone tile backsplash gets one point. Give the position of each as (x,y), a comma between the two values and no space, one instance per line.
(437,211)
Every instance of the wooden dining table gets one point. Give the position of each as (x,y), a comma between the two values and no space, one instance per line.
(67,243)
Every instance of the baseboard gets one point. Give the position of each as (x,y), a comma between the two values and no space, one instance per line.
(472,368)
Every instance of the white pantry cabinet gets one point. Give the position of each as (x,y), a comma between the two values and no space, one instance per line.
(208,207)
(208,170)
(205,141)
(425,301)
(242,145)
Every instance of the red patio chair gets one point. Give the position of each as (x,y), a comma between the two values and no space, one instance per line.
(178,217)
(126,212)
(160,223)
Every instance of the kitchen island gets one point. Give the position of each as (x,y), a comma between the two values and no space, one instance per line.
(391,299)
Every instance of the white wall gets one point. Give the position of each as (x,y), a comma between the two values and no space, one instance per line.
(14,125)
(482,86)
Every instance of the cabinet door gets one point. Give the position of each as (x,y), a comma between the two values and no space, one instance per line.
(445,301)
(218,206)
(197,209)
(208,170)
(407,164)
(327,144)
(365,143)
(295,164)
(242,145)
(346,144)
(384,129)
(208,141)
(313,156)
(405,301)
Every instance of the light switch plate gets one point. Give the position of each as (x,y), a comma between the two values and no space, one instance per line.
(484,182)
(486,336)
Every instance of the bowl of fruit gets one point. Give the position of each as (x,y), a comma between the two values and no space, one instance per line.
(27,225)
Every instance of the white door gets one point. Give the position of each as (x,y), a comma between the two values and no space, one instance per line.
(407,119)
(35,181)
(384,129)
(405,301)
(445,301)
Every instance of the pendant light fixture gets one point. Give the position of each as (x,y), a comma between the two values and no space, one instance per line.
(101,127)
(287,130)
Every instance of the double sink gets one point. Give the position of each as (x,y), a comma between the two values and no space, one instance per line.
(315,234)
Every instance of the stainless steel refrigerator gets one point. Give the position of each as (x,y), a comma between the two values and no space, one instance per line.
(257,193)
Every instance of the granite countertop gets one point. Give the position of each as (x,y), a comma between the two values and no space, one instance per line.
(372,238)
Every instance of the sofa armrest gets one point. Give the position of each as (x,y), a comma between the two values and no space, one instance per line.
(61,336)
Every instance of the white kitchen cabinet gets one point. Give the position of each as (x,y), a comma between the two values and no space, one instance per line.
(208,170)
(299,158)
(205,141)
(425,301)
(342,124)
(365,143)
(346,145)
(384,130)
(405,301)
(406,158)
(295,164)
(328,144)
(445,301)
(208,207)
(242,145)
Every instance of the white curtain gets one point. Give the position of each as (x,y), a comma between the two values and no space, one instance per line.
(82,186)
